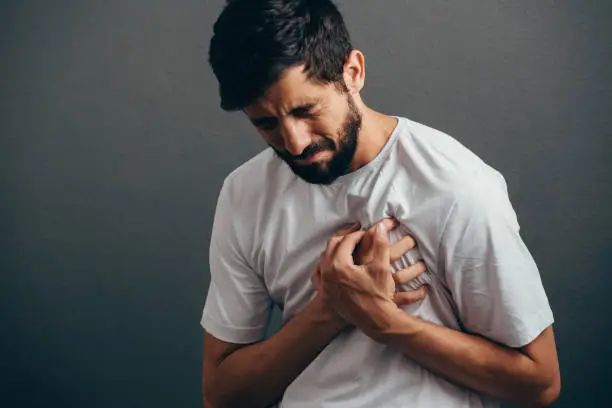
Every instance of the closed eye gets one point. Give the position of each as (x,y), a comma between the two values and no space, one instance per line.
(265,123)
(304,111)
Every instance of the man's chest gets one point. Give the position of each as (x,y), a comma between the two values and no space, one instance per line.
(297,231)
(296,235)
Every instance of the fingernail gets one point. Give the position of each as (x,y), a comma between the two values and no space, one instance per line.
(381,227)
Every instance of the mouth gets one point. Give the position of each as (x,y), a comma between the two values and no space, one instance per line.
(317,157)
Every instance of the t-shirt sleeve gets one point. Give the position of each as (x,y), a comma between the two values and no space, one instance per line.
(238,305)
(489,270)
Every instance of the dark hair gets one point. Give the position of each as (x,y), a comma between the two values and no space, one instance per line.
(254,41)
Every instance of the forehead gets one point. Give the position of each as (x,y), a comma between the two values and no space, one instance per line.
(293,89)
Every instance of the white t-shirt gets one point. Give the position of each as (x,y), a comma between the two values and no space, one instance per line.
(270,228)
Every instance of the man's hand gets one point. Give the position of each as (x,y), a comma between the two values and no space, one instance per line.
(361,294)
(364,254)
(320,303)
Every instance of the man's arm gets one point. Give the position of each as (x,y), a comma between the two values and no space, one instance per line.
(256,375)
(527,376)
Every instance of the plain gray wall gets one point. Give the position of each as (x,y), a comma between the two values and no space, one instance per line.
(113,149)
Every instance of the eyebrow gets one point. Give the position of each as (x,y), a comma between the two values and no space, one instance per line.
(307,105)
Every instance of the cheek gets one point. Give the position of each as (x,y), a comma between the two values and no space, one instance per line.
(327,127)
(322,127)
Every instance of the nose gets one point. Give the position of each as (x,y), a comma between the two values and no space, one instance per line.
(296,136)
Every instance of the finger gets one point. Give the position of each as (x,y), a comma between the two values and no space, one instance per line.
(330,249)
(332,243)
(405,298)
(368,239)
(401,247)
(410,273)
(347,230)
(381,247)
(345,249)
(390,223)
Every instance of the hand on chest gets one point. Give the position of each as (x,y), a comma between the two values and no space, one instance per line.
(291,253)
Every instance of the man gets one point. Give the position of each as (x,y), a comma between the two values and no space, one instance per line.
(358,329)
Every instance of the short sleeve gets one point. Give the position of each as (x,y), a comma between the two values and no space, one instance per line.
(238,305)
(490,272)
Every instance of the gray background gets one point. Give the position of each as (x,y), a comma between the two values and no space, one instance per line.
(113,149)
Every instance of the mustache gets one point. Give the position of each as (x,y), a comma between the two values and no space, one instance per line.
(312,149)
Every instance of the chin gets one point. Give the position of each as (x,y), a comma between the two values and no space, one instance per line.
(314,174)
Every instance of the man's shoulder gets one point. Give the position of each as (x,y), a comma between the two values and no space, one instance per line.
(248,171)
(435,163)
(434,147)
(438,157)
(255,177)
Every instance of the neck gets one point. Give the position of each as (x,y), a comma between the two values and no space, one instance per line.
(376,129)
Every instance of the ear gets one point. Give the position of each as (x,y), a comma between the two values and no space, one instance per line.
(354,71)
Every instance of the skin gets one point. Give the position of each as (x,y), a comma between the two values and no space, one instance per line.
(354,286)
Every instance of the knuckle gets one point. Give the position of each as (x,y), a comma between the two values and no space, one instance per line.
(411,296)
(337,266)
(390,223)
(332,242)
(380,265)
(374,270)
(404,275)
(403,298)
(396,278)
(408,242)
(335,239)
(412,272)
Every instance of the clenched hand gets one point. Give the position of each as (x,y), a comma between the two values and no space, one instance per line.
(354,275)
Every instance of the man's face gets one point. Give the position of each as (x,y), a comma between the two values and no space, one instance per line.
(314,128)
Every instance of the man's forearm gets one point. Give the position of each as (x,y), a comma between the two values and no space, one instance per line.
(472,361)
(257,375)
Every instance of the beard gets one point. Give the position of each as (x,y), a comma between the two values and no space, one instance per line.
(327,171)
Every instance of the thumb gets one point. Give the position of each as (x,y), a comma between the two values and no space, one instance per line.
(381,246)
(344,251)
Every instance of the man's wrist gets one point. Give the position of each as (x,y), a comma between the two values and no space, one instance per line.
(391,321)
(321,314)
